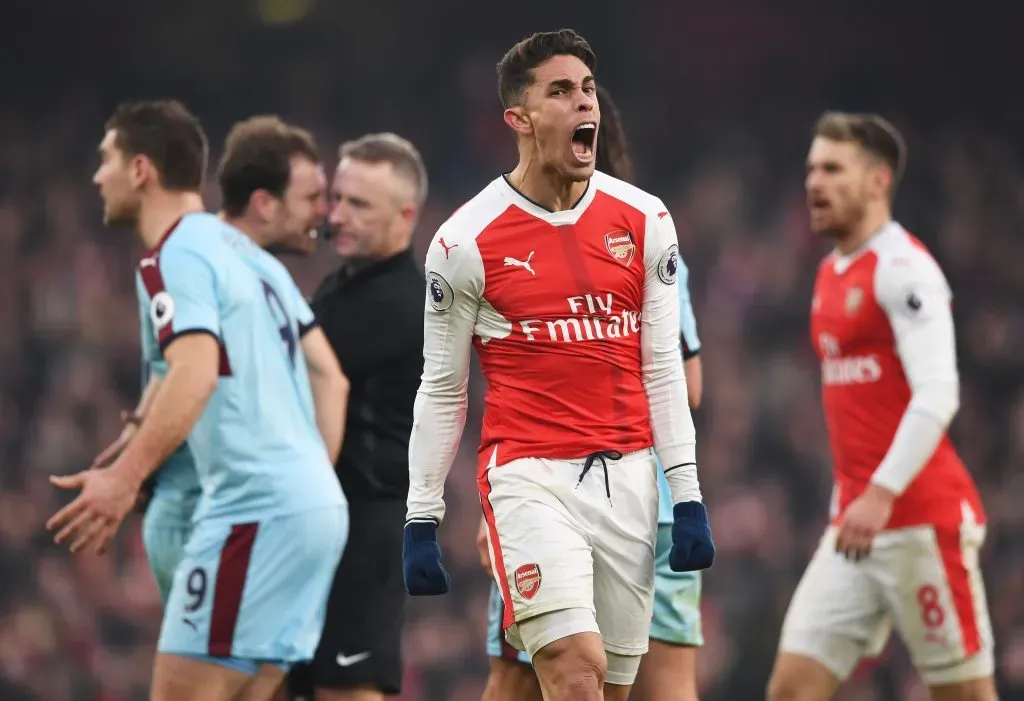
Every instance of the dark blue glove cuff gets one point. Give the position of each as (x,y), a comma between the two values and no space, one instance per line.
(420,531)
(692,510)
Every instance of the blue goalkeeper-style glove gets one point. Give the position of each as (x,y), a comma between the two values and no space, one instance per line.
(424,573)
(692,547)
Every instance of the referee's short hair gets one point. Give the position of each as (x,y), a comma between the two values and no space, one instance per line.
(387,147)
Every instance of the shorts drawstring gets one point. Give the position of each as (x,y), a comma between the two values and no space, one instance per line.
(594,457)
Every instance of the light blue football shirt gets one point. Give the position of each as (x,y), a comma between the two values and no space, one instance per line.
(256,447)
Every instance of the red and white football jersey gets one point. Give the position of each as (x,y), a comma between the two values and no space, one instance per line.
(575,319)
(881,324)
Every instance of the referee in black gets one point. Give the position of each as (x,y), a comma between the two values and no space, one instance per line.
(371,309)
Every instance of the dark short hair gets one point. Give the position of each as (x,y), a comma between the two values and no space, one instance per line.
(874,134)
(515,69)
(613,155)
(258,156)
(167,134)
(390,148)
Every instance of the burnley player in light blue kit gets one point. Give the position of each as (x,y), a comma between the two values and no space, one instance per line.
(249,595)
(273,190)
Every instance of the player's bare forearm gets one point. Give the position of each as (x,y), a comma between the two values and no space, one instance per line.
(330,389)
(194,362)
(694,381)
(148,395)
(330,398)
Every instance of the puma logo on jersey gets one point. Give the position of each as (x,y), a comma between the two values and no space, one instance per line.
(525,264)
(446,247)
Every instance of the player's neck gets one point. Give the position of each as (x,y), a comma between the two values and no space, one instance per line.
(249,229)
(548,189)
(161,212)
(868,226)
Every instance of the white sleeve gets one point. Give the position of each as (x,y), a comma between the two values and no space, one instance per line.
(662,363)
(915,296)
(454,286)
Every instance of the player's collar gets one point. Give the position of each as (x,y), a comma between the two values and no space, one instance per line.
(841,262)
(565,217)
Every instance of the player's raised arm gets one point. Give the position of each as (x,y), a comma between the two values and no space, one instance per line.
(454,285)
(665,383)
(915,296)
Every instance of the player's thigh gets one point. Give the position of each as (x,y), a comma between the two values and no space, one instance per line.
(255,591)
(164,542)
(165,531)
(264,685)
(511,680)
(177,677)
(668,672)
(933,583)
(360,647)
(540,552)
(836,617)
(624,535)
(293,564)
(497,646)
(972,690)
(676,619)
(798,677)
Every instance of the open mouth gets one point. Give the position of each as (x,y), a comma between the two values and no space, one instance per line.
(583,141)
(818,203)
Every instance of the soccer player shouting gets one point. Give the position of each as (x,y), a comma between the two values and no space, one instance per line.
(563,279)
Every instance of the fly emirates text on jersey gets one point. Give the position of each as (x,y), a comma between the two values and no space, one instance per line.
(593,318)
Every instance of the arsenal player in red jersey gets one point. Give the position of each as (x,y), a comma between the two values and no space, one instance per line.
(902,548)
(564,280)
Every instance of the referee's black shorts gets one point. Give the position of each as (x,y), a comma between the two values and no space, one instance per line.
(361,645)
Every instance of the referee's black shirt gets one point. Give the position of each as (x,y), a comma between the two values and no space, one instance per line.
(372,315)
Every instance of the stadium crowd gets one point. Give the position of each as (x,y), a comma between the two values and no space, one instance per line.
(84,628)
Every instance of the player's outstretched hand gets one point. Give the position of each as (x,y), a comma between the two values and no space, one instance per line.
(424,573)
(692,546)
(93,517)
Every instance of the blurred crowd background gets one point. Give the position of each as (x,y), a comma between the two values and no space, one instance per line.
(718,98)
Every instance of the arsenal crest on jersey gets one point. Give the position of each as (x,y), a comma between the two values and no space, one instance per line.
(854,298)
(621,246)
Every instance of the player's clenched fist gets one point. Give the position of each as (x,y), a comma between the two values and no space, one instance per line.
(692,546)
(424,573)
(864,518)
